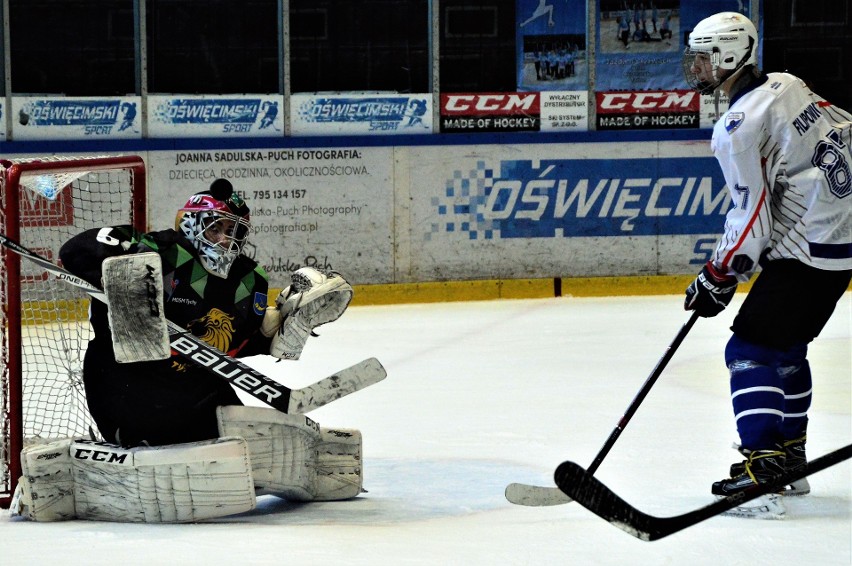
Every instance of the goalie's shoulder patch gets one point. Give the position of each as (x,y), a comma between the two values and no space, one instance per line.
(259,303)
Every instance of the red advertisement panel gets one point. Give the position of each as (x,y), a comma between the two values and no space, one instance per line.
(646,110)
(490,112)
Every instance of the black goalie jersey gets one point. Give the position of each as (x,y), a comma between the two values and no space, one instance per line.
(169,401)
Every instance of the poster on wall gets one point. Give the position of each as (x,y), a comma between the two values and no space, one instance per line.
(355,113)
(328,208)
(233,115)
(63,118)
(550,39)
(640,44)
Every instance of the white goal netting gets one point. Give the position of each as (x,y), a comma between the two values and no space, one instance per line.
(45,326)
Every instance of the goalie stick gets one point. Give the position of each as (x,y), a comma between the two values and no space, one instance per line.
(540,496)
(238,374)
(589,492)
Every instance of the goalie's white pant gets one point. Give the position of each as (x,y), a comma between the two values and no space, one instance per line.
(293,457)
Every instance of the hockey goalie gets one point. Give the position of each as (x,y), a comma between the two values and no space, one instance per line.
(176,443)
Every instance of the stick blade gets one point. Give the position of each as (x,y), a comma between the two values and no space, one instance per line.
(581,486)
(535,495)
(344,382)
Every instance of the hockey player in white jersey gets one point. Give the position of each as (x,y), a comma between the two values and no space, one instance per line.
(785,155)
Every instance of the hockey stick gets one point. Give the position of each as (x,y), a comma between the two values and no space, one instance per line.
(589,492)
(539,496)
(238,374)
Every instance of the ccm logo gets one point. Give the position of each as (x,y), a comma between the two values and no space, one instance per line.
(490,103)
(639,102)
(100,455)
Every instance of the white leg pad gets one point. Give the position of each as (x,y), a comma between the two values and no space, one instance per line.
(164,484)
(293,457)
(45,492)
(339,469)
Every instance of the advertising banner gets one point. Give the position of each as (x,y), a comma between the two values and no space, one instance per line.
(330,208)
(3,119)
(175,116)
(710,111)
(61,118)
(354,114)
(640,44)
(490,112)
(648,110)
(514,112)
(550,39)
(542,211)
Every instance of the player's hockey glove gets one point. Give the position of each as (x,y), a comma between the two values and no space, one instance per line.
(711,292)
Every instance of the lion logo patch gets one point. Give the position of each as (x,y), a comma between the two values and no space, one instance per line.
(216,328)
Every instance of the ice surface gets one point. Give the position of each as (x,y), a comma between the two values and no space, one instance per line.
(482,394)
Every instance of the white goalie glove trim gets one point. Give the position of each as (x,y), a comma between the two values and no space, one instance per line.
(313,299)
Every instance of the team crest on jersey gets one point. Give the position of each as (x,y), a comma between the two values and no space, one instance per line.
(259,303)
(733,120)
(216,328)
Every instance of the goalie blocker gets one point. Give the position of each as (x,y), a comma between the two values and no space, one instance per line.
(133,286)
(261,450)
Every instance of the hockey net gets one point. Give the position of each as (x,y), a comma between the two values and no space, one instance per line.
(44,325)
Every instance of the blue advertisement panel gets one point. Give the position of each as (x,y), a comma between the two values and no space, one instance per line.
(215,116)
(640,44)
(563,198)
(355,113)
(551,45)
(60,117)
(540,210)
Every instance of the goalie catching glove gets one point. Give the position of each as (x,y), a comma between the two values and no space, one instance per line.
(311,300)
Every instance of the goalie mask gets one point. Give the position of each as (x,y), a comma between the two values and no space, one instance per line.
(719,46)
(216,222)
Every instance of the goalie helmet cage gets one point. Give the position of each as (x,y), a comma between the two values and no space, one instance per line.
(44,325)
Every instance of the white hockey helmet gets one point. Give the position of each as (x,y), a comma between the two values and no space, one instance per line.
(718,47)
(216,222)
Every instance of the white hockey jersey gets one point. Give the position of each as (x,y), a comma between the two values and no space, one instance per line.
(785,153)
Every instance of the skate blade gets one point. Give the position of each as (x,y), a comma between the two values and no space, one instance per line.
(769,506)
(798,488)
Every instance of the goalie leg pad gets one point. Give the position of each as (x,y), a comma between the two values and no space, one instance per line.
(339,469)
(164,484)
(45,492)
(133,285)
(293,457)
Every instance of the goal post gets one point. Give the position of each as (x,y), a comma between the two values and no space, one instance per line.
(44,327)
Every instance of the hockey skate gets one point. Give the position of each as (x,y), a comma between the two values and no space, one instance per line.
(795,458)
(761,466)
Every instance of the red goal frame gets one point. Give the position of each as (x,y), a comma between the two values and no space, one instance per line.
(11,354)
